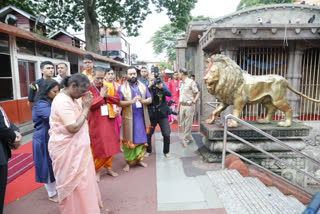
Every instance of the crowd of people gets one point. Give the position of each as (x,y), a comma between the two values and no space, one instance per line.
(81,121)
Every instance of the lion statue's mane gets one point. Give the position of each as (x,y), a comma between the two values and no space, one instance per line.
(231,77)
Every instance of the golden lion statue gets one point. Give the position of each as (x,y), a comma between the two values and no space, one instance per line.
(232,86)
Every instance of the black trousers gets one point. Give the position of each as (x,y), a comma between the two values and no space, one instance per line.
(3,184)
(165,131)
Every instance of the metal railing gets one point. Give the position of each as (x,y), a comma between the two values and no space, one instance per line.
(225,149)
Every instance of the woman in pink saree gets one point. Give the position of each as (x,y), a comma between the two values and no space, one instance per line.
(69,149)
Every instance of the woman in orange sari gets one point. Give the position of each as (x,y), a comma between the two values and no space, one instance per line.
(69,148)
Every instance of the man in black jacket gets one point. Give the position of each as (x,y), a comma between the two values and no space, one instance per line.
(158,112)
(10,138)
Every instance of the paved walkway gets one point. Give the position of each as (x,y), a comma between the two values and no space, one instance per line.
(176,185)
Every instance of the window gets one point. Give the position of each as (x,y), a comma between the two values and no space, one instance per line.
(44,50)
(58,53)
(26,76)
(6,89)
(25,46)
(114,40)
(114,53)
(4,43)
(104,53)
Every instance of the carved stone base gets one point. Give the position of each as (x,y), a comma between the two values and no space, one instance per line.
(267,145)
(300,137)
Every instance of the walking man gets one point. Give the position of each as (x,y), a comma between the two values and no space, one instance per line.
(189,94)
(104,140)
(134,98)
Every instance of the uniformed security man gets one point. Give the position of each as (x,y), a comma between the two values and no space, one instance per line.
(47,69)
(189,94)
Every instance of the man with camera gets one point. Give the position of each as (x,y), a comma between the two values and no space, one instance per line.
(159,111)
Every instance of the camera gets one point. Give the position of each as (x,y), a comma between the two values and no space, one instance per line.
(157,79)
(170,109)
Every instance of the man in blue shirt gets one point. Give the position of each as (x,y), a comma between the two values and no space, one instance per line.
(144,76)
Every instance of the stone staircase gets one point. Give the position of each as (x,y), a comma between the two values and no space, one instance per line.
(26,128)
(241,195)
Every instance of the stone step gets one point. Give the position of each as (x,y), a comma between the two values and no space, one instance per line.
(26,128)
(248,195)
(295,203)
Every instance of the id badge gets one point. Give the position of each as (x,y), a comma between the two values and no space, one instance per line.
(138,104)
(104,110)
(114,106)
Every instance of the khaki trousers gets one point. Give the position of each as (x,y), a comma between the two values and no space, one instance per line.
(186,117)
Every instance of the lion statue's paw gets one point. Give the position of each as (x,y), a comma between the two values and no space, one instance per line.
(263,121)
(232,123)
(284,124)
(209,121)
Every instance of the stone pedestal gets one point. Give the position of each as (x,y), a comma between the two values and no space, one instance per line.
(294,136)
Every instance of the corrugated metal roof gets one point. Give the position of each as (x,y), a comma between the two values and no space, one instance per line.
(8,9)
(64,32)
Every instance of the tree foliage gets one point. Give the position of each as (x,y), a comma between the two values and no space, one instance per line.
(26,5)
(128,14)
(164,40)
(251,3)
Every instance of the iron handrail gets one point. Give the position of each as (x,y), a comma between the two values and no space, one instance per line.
(226,132)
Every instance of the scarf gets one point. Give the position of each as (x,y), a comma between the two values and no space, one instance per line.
(110,93)
(126,133)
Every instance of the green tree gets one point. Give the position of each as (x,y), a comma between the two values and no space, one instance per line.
(26,5)
(251,3)
(128,14)
(164,40)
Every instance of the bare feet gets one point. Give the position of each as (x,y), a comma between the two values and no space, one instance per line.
(126,168)
(147,154)
(167,155)
(140,163)
(185,145)
(98,174)
(54,198)
(112,173)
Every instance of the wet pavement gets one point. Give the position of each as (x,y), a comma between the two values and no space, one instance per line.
(178,184)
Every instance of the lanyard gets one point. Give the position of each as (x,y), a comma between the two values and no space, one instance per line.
(135,90)
(96,88)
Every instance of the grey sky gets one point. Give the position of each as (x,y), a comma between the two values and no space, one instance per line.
(210,8)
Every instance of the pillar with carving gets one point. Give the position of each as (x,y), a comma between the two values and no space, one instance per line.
(294,76)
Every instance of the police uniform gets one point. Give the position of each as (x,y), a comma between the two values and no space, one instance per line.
(188,90)
(34,89)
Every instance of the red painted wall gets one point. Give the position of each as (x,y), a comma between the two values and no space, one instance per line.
(17,111)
